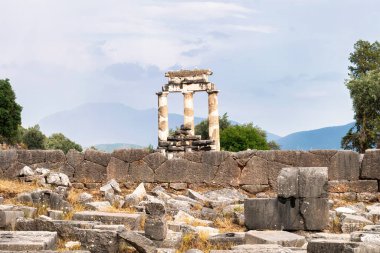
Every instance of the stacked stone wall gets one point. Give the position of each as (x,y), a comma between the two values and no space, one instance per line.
(350,174)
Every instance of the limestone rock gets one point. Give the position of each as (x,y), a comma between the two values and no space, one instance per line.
(96,156)
(282,238)
(26,171)
(136,196)
(58,179)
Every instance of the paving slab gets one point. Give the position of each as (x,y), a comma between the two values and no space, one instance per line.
(282,238)
(131,220)
(340,246)
(27,240)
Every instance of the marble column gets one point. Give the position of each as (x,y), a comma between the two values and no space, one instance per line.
(163,118)
(213,118)
(189,110)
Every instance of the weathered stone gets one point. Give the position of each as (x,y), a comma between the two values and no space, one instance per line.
(342,186)
(58,179)
(7,158)
(72,244)
(12,171)
(228,173)
(198,197)
(154,160)
(282,238)
(315,213)
(111,185)
(117,169)
(55,156)
(25,197)
(156,227)
(77,185)
(312,182)
(136,196)
(288,183)
(55,214)
(184,217)
(339,246)
(227,239)
(344,165)
(367,197)
(130,155)
(98,205)
(141,243)
(89,171)
(214,158)
(226,193)
(26,171)
(155,209)
(31,156)
(351,223)
(97,240)
(371,164)
(290,215)
(178,186)
(74,158)
(255,172)
(97,156)
(84,197)
(253,188)
(262,214)
(131,220)
(139,171)
(27,241)
(8,218)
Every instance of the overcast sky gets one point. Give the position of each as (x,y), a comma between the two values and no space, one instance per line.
(280,64)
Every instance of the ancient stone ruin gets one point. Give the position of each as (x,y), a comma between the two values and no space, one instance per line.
(188,82)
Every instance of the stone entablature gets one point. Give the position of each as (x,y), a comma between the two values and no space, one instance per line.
(347,173)
(188,82)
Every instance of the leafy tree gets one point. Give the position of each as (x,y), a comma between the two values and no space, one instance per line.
(59,141)
(273,145)
(33,138)
(241,137)
(365,94)
(10,113)
(364,86)
(202,127)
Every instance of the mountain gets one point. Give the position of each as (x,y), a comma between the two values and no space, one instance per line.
(272,137)
(323,138)
(94,123)
(111,147)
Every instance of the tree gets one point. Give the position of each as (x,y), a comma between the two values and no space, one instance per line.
(59,141)
(273,145)
(365,94)
(363,84)
(202,127)
(10,113)
(33,138)
(242,137)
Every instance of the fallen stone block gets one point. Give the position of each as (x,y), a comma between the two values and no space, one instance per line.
(55,214)
(172,240)
(262,214)
(27,240)
(232,238)
(340,246)
(282,238)
(131,220)
(351,223)
(98,241)
(98,205)
(136,196)
(141,243)
(8,218)
(178,186)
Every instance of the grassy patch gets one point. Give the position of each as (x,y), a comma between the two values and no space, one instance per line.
(226,224)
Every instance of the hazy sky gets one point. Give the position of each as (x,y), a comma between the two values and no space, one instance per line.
(280,64)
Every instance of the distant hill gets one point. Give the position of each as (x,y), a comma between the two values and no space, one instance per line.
(323,138)
(94,123)
(272,137)
(111,147)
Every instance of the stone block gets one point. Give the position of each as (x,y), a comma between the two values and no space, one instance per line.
(342,186)
(282,238)
(288,183)
(178,186)
(214,158)
(55,156)
(74,158)
(156,227)
(312,182)
(345,164)
(315,213)
(131,220)
(228,173)
(8,218)
(118,169)
(253,188)
(255,172)
(340,246)
(98,205)
(154,160)
(257,248)
(371,164)
(367,197)
(29,157)
(98,157)
(139,242)
(351,223)
(262,214)
(27,240)
(227,239)
(139,171)
(90,172)
(55,214)
(7,158)
(130,155)
(289,213)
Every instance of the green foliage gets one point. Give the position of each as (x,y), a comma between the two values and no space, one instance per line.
(33,138)
(273,145)
(59,141)
(202,127)
(241,137)
(365,94)
(364,87)
(10,113)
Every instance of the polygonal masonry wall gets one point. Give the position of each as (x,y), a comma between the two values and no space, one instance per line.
(347,171)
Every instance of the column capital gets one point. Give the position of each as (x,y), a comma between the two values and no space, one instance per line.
(162,93)
(187,92)
(212,91)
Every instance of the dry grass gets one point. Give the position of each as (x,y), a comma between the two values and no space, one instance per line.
(194,222)
(61,245)
(10,188)
(200,241)
(226,224)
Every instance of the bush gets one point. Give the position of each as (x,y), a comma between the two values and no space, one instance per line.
(33,138)
(59,141)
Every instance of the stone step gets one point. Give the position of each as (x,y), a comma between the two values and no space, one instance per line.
(27,240)
(131,220)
